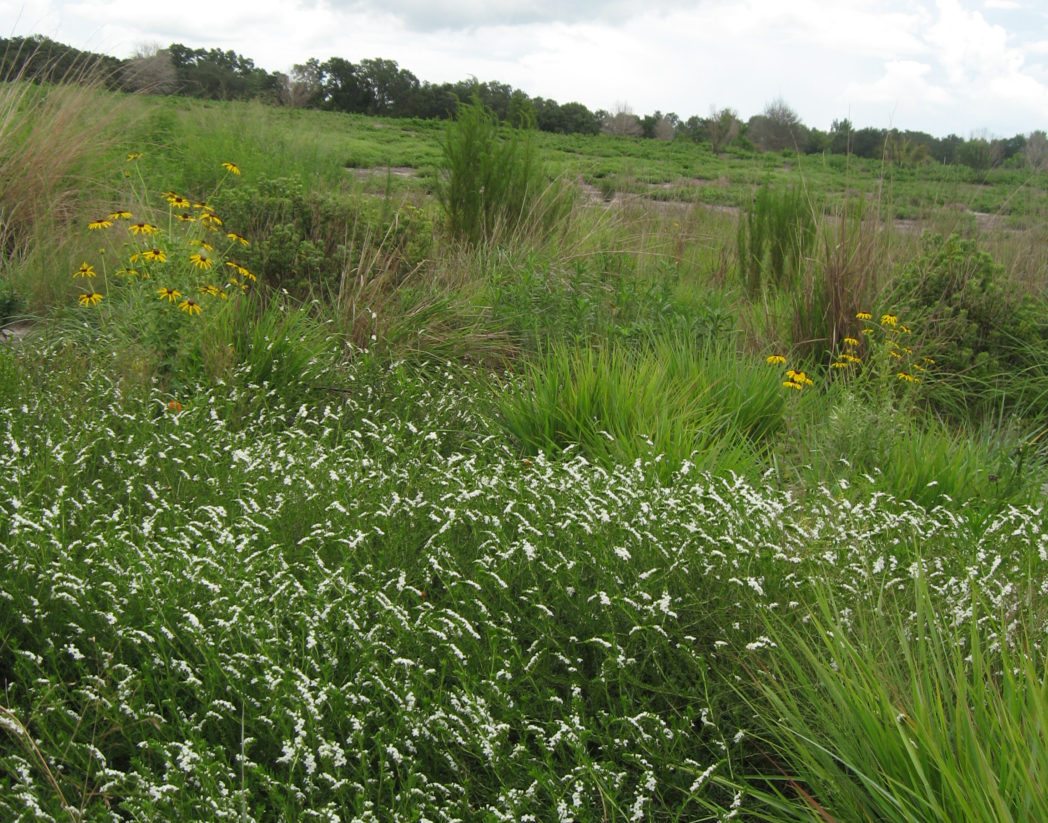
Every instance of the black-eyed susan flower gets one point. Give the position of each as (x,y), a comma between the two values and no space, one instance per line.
(155,255)
(179,202)
(232,168)
(863,315)
(889,320)
(89,298)
(850,342)
(200,261)
(239,238)
(792,385)
(133,156)
(127,271)
(774,359)
(189,306)
(202,244)
(909,378)
(214,291)
(119,214)
(799,377)
(841,364)
(85,270)
(185,217)
(169,293)
(101,223)
(202,207)
(928,360)
(143,228)
(210,219)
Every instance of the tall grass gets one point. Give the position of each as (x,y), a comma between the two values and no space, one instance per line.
(902,716)
(675,400)
(55,143)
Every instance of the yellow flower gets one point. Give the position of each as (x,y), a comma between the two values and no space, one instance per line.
(841,364)
(791,385)
(120,214)
(232,168)
(128,272)
(799,377)
(851,358)
(178,201)
(85,270)
(200,261)
(239,238)
(201,244)
(186,217)
(210,220)
(245,273)
(189,306)
(134,156)
(156,255)
(143,228)
(170,294)
(103,223)
(863,315)
(775,359)
(202,207)
(851,342)
(928,360)
(908,377)
(89,298)
(889,320)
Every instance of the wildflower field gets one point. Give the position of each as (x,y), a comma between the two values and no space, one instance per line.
(314,506)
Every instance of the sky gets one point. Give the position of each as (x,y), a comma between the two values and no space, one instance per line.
(975,68)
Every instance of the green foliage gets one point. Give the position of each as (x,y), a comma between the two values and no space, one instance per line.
(675,400)
(775,235)
(978,327)
(904,717)
(491,182)
(306,239)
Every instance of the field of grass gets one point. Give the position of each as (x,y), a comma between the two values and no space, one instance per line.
(675,487)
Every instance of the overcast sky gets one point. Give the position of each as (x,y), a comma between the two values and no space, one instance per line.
(968,67)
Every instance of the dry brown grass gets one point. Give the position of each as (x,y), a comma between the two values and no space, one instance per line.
(54,141)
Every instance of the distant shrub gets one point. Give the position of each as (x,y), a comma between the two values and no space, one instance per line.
(491,182)
(775,235)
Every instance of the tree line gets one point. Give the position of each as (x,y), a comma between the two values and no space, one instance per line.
(380,87)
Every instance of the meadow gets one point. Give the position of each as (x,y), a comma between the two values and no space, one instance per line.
(362,469)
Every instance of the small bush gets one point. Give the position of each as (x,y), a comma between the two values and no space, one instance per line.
(775,235)
(977,327)
(491,183)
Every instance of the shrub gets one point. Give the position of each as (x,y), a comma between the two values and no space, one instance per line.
(981,333)
(774,237)
(491,183)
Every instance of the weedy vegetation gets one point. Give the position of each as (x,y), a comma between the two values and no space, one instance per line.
(381,471)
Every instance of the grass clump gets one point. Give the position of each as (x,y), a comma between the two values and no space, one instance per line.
(674,401)
(906,715)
